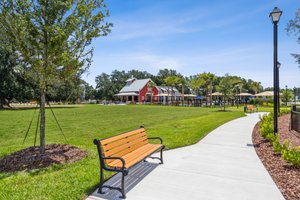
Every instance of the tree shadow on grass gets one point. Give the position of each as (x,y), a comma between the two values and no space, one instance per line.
(223,110)
(6,175)
(33,108)
(34,172)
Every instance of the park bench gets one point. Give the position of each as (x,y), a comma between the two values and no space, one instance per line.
(250,108)
(121,152)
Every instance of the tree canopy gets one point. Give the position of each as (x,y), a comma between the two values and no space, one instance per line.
(52,39)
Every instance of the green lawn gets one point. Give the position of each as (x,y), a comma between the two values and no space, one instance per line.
(176,125)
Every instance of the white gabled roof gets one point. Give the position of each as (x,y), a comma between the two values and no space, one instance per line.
(135,86)
(162,90)
(127,94)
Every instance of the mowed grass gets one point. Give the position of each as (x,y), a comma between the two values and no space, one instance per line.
(176,125)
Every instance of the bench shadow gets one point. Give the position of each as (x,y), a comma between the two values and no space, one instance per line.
(135,176)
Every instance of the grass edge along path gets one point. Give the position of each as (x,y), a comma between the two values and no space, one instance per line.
(176,125)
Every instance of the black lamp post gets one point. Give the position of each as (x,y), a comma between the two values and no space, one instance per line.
(286,97)
(294,95)
(275,17)
(237,95)
(278,88)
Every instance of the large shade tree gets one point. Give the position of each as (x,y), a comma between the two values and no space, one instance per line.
(12,84)
(53,38)
(8,83)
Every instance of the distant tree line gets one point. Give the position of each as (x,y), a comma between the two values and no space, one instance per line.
(107,85)
(14,88)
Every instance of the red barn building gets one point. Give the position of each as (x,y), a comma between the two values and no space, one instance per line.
(142,90)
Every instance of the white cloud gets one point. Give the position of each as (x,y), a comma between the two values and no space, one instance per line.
(131,44)
(155,21)
(253,62)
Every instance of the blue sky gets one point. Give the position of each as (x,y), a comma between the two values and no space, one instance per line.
(195,36)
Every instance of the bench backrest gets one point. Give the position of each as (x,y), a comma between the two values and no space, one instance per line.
(124,143)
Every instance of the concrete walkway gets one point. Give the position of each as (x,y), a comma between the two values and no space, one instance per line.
(224,165)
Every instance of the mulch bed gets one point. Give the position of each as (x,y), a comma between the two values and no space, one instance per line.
(30,158)
(286,176)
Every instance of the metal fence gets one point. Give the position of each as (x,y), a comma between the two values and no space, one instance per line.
(295,119)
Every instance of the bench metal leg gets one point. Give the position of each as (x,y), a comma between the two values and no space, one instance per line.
(101,181)
(123,186)
(161,156)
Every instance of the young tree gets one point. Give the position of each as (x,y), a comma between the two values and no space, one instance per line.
(151,85)
(256,87)
(52,38)
(172,81)
(206,81)
(294,27)
(226,87)
(195,84)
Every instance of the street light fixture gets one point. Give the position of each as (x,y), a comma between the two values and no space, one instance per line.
(278,65)
(275,17)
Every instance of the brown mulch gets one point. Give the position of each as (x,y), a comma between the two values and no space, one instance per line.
(285,134)
(286,176)
(30,158)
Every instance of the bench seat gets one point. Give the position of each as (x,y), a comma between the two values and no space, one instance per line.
(136,156)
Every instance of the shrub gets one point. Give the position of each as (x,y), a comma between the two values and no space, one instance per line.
(270,104)
(291,155)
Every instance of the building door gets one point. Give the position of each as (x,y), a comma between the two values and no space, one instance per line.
(148,98)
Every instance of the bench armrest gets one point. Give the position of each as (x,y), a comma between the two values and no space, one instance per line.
(115,158)
(156,138)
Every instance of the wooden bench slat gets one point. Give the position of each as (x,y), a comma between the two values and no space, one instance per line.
(137,159)
(126,151)
(136,156)
(122,141)
(130,144)
(117,137)
(142,151)
(122,153)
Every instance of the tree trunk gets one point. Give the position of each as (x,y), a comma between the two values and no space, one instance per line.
(4,102)
(43,120)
